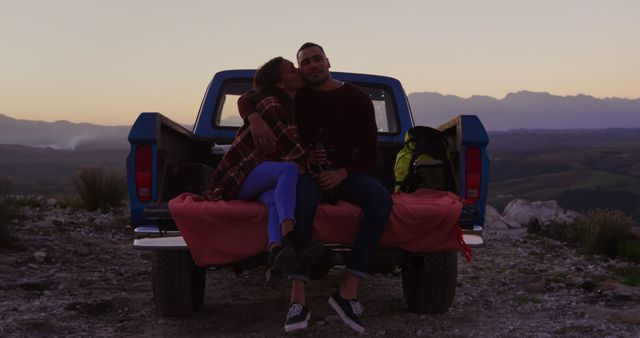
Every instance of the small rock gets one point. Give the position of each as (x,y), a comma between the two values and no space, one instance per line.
(58,222)
(521,211)
(40,256)
(620,291)
(494,220)
(105,257)
(536,286)
(555,285)
(615,264)
(629,316)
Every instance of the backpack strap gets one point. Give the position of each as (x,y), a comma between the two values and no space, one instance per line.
(449,174)
(405,185)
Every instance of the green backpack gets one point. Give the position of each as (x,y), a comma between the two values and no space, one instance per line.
(424,161)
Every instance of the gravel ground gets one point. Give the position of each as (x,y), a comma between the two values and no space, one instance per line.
(75,273)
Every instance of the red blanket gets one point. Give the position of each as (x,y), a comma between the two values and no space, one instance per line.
(225,232)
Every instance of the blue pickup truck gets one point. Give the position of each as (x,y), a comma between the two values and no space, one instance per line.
(166,160)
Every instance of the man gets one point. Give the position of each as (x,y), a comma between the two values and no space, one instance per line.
(341,117)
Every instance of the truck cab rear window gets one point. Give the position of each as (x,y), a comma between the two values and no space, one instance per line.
(227,115)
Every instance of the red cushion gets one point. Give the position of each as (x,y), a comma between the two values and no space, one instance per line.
(225,232)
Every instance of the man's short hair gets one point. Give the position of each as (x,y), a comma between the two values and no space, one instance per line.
(310,45)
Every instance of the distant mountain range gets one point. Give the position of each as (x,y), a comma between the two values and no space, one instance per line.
(529,110)
(62,134)
(521,110)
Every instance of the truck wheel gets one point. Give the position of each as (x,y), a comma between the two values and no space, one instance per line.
(429,281)
(178,284)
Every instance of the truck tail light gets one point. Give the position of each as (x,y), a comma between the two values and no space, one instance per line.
(143,172)
(473,173)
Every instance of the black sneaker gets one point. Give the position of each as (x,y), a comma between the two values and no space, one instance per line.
(283,259)
(297,317)
(348,309)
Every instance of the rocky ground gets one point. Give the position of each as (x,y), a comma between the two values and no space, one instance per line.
(75,273)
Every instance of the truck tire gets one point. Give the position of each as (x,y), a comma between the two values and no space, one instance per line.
(429,281)
(178,284)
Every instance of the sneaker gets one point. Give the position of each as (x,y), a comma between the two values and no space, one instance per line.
(283,259)
(349,310)
(297,318)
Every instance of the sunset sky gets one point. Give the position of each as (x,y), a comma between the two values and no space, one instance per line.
(106,61)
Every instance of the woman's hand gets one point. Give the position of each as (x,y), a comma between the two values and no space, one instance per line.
(263,137)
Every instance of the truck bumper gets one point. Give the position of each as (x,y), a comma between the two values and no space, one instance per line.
(152,238)
(473,237)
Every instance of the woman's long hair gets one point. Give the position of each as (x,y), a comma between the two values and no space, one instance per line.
(265,82)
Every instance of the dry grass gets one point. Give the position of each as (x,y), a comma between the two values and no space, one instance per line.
(630,249)
(605,230)
(5,234)
(99,188)
(600,231)
(7,213)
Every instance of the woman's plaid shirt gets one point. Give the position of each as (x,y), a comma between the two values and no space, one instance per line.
(243,156)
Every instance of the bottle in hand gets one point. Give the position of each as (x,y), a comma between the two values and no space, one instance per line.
(330,194)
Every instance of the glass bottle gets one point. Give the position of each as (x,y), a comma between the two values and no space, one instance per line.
(330,194)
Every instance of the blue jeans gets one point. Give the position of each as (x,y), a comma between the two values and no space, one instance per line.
(361,190)
(273,184)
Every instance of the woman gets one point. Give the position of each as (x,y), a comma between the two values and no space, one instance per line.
(270,175)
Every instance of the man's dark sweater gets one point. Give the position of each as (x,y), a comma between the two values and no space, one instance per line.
(344,121)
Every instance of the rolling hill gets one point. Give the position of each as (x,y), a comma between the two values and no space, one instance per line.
(551,172)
